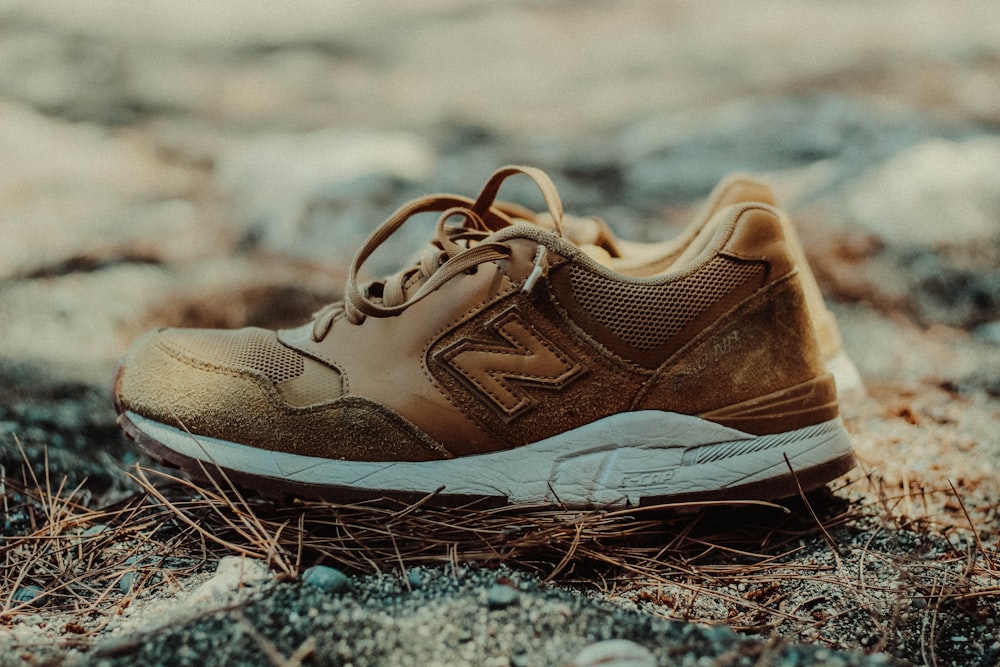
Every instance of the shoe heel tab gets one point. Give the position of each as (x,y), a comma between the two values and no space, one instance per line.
(757,234)
(741,188)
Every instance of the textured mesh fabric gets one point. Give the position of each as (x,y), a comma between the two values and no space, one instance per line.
(647,316)
(318,384)
(245,349)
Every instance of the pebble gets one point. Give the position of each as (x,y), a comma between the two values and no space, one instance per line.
(325,578)
(615,653)
(126,582)
(94,530)
(29,593)
(232,575)
(500,596)
(128,579)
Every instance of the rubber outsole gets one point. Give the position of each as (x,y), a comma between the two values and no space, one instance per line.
(631,459)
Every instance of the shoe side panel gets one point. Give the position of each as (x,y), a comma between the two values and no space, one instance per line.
(205,399)
(524,373)
(766,346)
(382,358)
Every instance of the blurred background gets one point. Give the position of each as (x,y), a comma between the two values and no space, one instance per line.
(218,164)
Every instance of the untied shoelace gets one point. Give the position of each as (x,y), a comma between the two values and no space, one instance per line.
(458,248)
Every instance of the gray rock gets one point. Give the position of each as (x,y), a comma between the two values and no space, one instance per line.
(615,653)
(29,593)
(136,574)
(325,578)
(129,578)
(94,531)
(681,156)
(127,581)
(950,288)
(937,192)
(105,195)
(309,194)
(415,577)
(500,596)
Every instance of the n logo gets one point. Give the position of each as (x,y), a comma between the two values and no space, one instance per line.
(499,371)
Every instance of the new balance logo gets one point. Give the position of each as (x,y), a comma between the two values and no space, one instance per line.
(500,371)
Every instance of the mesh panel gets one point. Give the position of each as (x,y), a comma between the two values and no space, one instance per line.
(647,316)
(318,384)
(253,349)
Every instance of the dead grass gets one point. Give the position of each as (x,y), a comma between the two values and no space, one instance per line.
(859,574)
(59,554)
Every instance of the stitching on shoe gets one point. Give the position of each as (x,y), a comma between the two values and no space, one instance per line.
(404,424)
(260,380)
(511,288)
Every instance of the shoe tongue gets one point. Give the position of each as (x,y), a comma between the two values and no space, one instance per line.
(591,234)
(597,253)
(413,276)
(411,285)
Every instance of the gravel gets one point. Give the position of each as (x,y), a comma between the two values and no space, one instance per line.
(463,616)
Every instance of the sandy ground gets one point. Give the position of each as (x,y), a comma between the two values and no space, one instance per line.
(218,165)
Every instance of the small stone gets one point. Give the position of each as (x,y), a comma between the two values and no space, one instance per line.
(415,577)
(325,578)
(128,579)
(232,574)
(520,660)
(615,653)
(500,596)
(126,582)
(29,593)
(94,530)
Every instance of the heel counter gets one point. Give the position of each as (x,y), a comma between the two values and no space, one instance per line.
(805,404)
(747,366)
(758,235)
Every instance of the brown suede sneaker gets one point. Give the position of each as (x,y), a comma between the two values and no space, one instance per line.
(645,259)
(508,364)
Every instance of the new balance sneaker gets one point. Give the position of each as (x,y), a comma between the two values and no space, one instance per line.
(646,259)
(508,364)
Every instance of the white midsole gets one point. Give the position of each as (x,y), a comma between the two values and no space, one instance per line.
(610,462)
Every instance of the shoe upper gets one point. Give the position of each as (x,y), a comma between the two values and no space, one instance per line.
(503,334)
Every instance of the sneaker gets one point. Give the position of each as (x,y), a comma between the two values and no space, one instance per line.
(510,365)
(646,259)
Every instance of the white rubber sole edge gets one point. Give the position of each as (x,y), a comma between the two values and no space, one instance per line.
(612,462)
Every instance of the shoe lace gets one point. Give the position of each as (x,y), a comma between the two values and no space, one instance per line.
(456,249)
